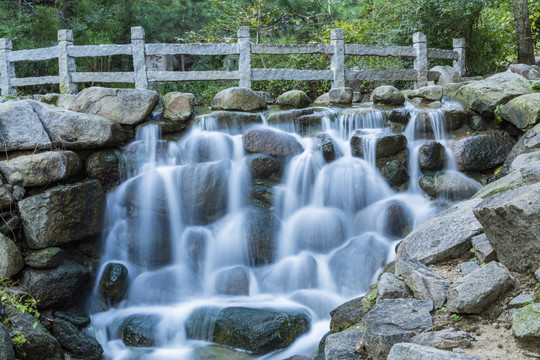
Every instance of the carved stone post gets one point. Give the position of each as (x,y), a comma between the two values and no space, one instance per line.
(338,58)
(244,59)
(420,61)
(139,57)
(66,63)
(7,69)
(459,64)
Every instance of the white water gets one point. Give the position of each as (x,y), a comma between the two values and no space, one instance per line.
(338,224)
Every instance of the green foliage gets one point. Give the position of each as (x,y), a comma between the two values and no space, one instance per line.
(455,318)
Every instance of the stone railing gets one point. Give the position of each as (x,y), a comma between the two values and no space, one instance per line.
(68,77)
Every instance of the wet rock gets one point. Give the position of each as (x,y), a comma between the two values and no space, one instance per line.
(525,145)
(295,98)
(266,96)
(395,172)
(309,125)
(123,106)
(431,156)
(407,351)
(263,196)
(263,166)
(473,293)
(209,146)
(288,116)
(530,72)
(6,198)
(400,116)
(114,280)
(58,287)
(179,107)
(48,258)
(357,97)
(40,169)
(232,121)
(298,357)
(445,339)
(341,345)
(444,236)
(323,99)
(398,219)
(237,98)
(340,95)
(215,352)
(76,343)
(271,142)
(346,315)
(511,181)
(259,331)
(260,229)
(139,330)
(483,250)
(388,144)
(21,127)
(430,93)
(482,151)
(233,281)
(523,111)
(449,185)
(106,166)
(387,95)
(468,267)
(327,147)
(79,319)
(454,118)
(11,261)
(6,346)
(447,75)
(63,214)
(511,222)
(526,322)
(393,321)
(390,287)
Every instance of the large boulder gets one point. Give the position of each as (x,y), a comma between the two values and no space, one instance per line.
(388,144)
(476,291)
(237,98)
(233,281)
(295,98)
(450,185)
(48,258)
(6,346)
(232,121)
(342,345)
(340,95)
(482,249)
(430,93)
(408,351)
(482,151)
(444,236)
(40,169)
(447,339)
(523,111)
(271,142)
(39,344)
(260,230)
(528,143)
(511,221)
(139,330)
(21,128)
(447,75)
(63,214)
(391,287)
(526,322)
(256,330)
(106,166)
(263,166)
(11,261)
(530,72)
(387,95)
(290,116)
(123,106)
(178,106)
(75,342)
(431,156)
(346,315)
(114,280)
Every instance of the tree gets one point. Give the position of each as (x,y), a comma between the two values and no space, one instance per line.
(524,40)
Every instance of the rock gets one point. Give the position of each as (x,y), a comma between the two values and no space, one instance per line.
(393,321)
(21,127)
(390,287)
(11,261)
(106,166)
(123,106)
(64,101)
(179,107)
(521,300)
(208,146)
(398,219)
(454,118)
(295,98)
(40,169)
(523,111)
(263,166)
(229,120)
(290,116)
(237,98)
(530,72)
(424,282)
(50,99)
(473,293)
(468,267)
(57,287)
(450,185)
(387,95)
(511,221)
(6,346)
(271,142)
(216,352)
(39,344)
(341,345)
(298,357)
(511,181)
(430,93)
(445,339)
(323,99)
(264,196)
(340,95)
(444,236)
(260,229)
(395,172)
(525,160)
(327,147)
(407,351)
(482,151)
(431,156)
(309,125)
(388,144)
(6,198)
(400,116)
(48,258)
(76,343)
(526,322)
(139,330)
(483,250)
(525,145)
(79,319)
(266,96)
(72,130)
(346,315)
(63,214)
(447,75)
(114,280)
(233,281)
(357,97)
(259,331)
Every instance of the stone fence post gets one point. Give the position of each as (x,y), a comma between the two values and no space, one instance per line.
(7,69)
(66,63)
(244,58)
(459,64)
(420,60)
(338,58)
(139,57)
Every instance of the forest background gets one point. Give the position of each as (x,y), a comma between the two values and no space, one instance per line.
(487,26)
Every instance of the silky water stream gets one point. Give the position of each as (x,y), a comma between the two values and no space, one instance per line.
(183,226)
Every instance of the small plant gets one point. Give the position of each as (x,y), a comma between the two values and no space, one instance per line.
(455,318)
(497,113)
(372,297)
(535,85)
(536,295)
(442,310)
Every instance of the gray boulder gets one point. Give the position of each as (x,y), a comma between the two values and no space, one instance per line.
(63,214)
(327,147)
(444,236)
(295,98)
(6,197)
(391,287)
(483,250)
(114,280)
(528,143)
(511,221)
(21,128)
(139,330)
(407,351)
(450,185)
(430,93)
(263,166)
(445,339)
(178,107)
(79,319)
(482,151)
(526,322)
(346,315)
(342,345)
(475,292)
(271,142)
(106,166)
(48,258)
(447,75)
(387,95)
(123,106)
(468,267)
(260,230)
(266,96)
(75,342)
(233,281)
(40,169)
(392,321)
(237,98)
(523,111)
(530,72)
(6,346)
(340,95)
(290,116)
(431,156)
(388,144)
(11,261)
(229,120)
(323,99)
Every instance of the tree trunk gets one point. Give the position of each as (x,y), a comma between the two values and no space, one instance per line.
(523,32)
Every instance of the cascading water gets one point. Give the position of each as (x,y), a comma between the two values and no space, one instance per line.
(183,225)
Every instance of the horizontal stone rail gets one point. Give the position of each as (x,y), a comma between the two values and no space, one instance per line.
(68,77)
